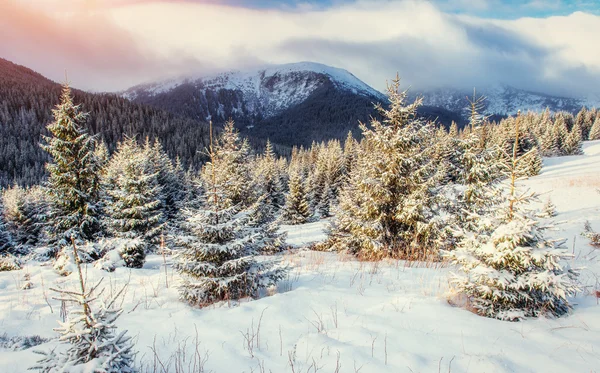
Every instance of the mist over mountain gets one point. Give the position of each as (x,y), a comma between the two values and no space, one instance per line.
(295,104)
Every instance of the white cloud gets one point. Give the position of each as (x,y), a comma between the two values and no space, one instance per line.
(372,39)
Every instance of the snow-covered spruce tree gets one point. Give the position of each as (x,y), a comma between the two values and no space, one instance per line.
(549,209)
(170,179)
(572,145)
(6,241)
(560,132)
(261,220)
(297,206)
(25,212)
(513,271)
(584,120)
(478,170)
(73,182)
(93,343)
(351,149)
(133,208)
(327,177)
(267,180)
(531,165)
(388,208)
(448,152)
(231,153)
(595,131)
(217,258)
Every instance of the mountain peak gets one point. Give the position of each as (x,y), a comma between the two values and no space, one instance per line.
(262,92)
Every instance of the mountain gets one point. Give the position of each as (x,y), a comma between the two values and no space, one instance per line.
(503,100)
(26,102)
(260,93)
(291,104)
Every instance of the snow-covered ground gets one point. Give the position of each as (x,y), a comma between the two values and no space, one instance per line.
(334,314)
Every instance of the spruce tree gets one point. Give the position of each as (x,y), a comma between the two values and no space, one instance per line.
(478,171)
(217,258)
(134,206)
(572,145)
(509,269)
(232,155)
(389,206)
(261,221)
(326,177)
(25,213)
(531,165)
(549,209)
(351,148)
(561,132)
(595,131)
(297,206)
(73,182)
(6,242)
(89,333)
(171,183)
(268,181)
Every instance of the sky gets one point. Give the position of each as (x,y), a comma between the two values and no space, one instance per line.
(548,46)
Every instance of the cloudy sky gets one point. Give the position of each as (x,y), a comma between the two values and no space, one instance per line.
(541,45)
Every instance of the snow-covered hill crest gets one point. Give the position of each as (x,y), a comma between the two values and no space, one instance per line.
(504,100)
(265,91)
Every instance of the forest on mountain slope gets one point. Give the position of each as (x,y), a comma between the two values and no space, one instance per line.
(26,100)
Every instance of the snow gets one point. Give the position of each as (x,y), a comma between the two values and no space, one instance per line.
(274,87)
(334,311)
(505,100)
(306,234)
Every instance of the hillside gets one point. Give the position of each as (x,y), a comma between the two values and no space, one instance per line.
(335,312)
(291,104)
(503,100)
(26,101)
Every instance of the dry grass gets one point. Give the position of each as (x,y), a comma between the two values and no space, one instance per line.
(589,181)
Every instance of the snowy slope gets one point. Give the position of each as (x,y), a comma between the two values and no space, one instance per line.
(342,315)
(265,91)
(505,100)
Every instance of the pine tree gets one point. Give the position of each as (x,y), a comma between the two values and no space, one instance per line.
(453,130)
(560,132)
(448,154)
(217,257)
(326,177)
(388,208)
(478,171)
(297,206)
(134,205)
(25,213)
(510,270)
(73,182)
(549,209)
(232,155)
(267,237)
(351,148)
(581,120)
(595,131)
(89,333)
(531,164)
(572,145)
(6,242)
(268,181)
(171,183)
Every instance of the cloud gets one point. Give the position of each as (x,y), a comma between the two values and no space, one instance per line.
(111,47)
(96,53)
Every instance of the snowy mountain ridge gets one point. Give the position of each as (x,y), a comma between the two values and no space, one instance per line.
(502,99)
(266,91)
